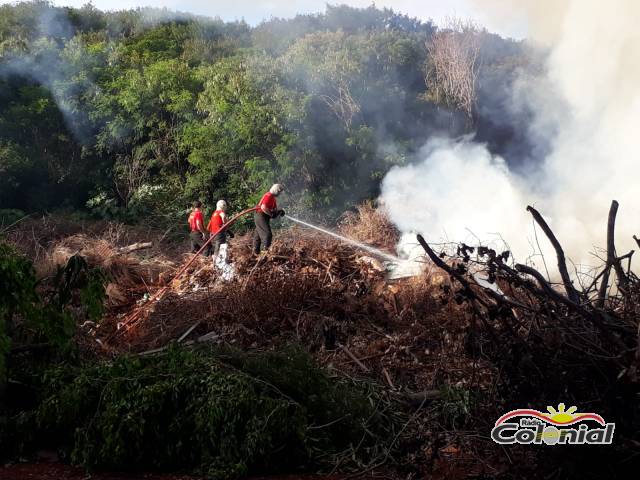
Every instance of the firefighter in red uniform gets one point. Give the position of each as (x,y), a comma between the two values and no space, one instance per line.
(198,233)
(218,219)
(267,209)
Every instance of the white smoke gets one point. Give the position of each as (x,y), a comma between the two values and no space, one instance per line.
(48,65)
(437,192)
(594,68)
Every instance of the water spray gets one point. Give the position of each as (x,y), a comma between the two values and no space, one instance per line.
(363,246)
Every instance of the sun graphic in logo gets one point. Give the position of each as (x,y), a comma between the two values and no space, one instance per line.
(561,416)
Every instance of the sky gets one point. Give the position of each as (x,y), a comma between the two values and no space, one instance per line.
(254,11)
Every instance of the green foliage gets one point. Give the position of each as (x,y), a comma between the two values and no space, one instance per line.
(9,216)
(163,42)
(222,413)
(456,407)
(234,148)
(28,317)
(17,296)
(76,275)
(136,113)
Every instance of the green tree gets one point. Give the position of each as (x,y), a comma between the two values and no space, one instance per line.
(235,149)
(143,112)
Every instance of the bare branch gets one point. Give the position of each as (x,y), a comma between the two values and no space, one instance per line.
(452,66)
(611,247)
(572,294)
(442,265)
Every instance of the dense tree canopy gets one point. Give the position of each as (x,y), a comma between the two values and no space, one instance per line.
(141,111)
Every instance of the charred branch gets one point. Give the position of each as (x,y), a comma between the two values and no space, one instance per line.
(442,265)
(572,294)
(543,311)
(420,398)
(612,259)
(553,294)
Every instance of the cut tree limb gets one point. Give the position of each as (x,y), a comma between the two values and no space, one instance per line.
(135,246)
(623,281)
(420,398)
(353,357)
(572,294)
(208,337)
(604,284)
(191,329)
(388,378)
(548,289)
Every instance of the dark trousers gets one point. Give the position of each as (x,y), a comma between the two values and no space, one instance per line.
(197,242)
(262,234)
(218,239)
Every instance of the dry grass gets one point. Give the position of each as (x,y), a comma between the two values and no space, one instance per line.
(37,238)
(370,225)
(50,241)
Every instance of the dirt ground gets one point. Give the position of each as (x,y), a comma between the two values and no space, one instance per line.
(57,471)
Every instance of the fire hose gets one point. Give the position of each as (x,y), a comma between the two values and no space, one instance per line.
(134,316)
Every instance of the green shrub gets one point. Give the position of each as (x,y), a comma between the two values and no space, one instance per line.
(27,316)
(9,216)
(221,413)
(77,276)
(17,296)
(456,406)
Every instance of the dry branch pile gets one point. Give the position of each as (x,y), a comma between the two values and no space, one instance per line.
(551,342)
(128,276)
(440,336)
(133,259)
(325,295)
(405,334)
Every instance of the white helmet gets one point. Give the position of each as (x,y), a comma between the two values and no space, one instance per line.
(276,189)
(221,205)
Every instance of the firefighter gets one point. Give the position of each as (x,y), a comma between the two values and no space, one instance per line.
(198,233)
(218,219)
(267,209)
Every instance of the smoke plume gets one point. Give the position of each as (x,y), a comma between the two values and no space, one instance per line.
(458,189)
(49,67)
